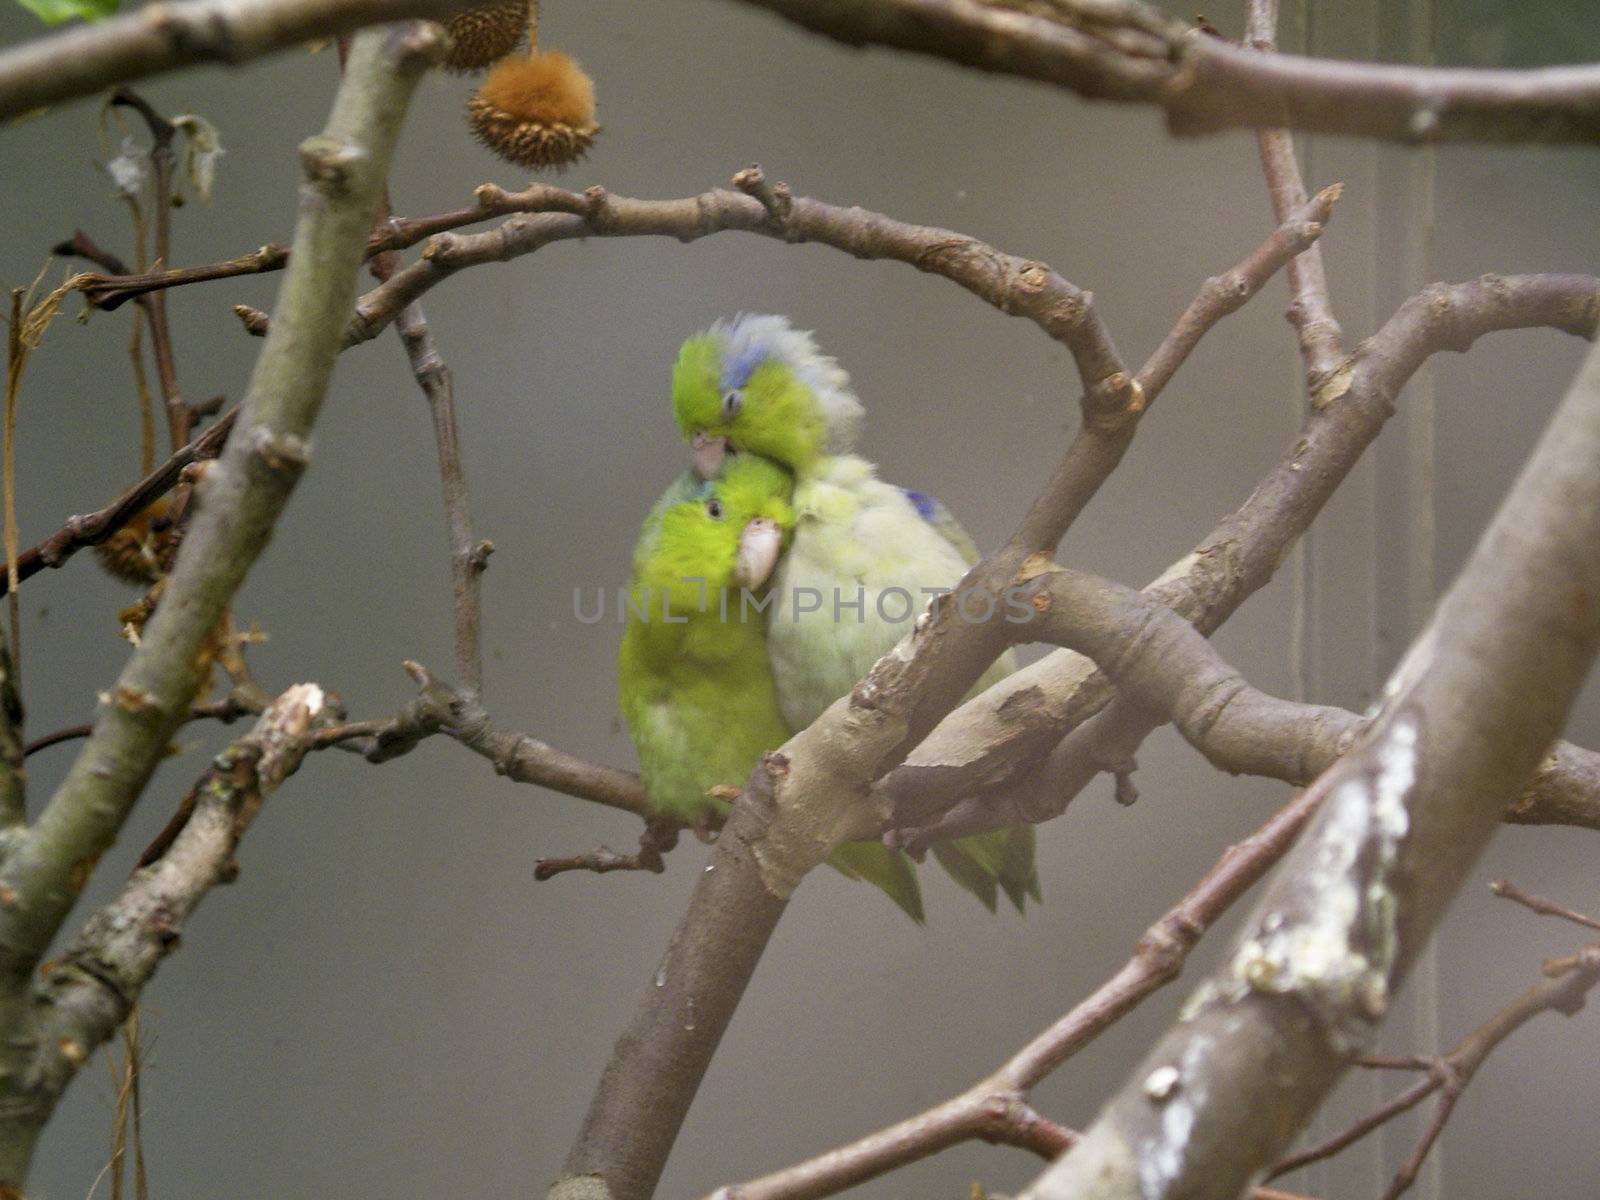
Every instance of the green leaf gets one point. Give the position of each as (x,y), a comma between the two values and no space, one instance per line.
(53,12)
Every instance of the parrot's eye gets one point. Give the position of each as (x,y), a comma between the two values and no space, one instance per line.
(732,402)
(714,509)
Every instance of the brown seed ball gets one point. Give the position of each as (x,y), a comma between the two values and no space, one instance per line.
(536,111)
(482,36)
(142,550)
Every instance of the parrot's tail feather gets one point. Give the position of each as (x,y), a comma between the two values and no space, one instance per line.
(888,870)
(973,865)
(988,863)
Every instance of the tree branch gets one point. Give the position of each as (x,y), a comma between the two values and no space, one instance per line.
(1132,52)
(440,708)
(96,527)
(93,57)
(1507,890)
(1000,738)
(1321,339)
(240,499)
(1467,717)
(545,214)
(86,994)
(468,556)
(1157,960)
(1450,1075)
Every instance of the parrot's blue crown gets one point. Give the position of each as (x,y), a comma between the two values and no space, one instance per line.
(751,339)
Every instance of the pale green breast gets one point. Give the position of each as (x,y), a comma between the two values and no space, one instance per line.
(852,584)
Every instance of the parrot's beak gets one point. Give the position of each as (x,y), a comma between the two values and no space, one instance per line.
(758,552)
(708,453)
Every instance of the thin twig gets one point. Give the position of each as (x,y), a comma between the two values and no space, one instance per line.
(94,528)
(468,556)
(163,160)
(658,837)
(1507,890)
(1451,1074)
(1321,339)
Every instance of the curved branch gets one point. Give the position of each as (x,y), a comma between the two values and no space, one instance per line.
(546,214)
(999,738)
(1132,52)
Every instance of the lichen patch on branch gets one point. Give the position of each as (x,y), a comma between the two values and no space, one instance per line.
(1337,952)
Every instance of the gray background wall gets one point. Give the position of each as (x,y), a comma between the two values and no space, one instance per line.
(387,1004)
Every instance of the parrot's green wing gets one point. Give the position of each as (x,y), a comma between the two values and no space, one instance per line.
(888,870)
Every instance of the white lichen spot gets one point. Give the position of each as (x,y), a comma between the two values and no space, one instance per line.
(1162,1157)
(309,696)
(1338,954)
(130,169)
(1161,1083)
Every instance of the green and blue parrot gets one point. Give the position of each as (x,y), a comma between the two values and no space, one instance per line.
(695,681)
(864,554)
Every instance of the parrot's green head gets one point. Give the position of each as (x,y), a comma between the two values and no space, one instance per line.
(757,385)
(727,532)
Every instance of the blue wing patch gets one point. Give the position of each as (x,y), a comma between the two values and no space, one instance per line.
(937,515)
(927,507)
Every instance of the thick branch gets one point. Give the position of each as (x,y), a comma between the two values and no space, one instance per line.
(89,990)
(239,499)
(994,740)
(1467,717)
(160,37)
(1165,670)
(1134,53)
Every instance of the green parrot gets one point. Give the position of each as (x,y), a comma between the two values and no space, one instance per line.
(695,682)
(865,554)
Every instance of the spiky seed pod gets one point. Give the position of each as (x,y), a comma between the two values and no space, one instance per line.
(482,36)
(536,111)
(142,550)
